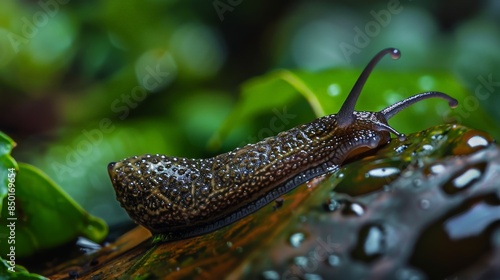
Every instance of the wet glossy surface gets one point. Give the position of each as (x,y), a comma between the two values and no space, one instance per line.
(458,238)
(424,208)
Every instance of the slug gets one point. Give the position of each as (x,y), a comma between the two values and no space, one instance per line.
(184,197)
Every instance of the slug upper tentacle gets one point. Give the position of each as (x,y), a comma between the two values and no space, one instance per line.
(345,114)
(188,197)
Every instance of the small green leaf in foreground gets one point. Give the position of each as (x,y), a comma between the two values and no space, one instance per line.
(20,273)
(6,162)
(46,217)
(36,213)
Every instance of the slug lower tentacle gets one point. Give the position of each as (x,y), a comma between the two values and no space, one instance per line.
(188,197)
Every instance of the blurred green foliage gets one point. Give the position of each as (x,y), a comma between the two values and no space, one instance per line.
(384,88)
(7,163)
(20,273)
(36,214)
(43,209)
(84,83)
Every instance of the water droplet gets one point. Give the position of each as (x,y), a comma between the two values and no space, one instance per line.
(427,147)
(229,244)
(409,274)
(371,243)
(353,208)
(477,141)
(471,141)
(334,260)
(205,190)
(407,173)
(380,173)
(310,276)
(383,172)
(301,261)
(331,169)
(334,89)
(417,182)
(437,137)
(437,168)
(424,204)
(270,275)
(296,239)
(331,205)
(401,149)
(465,179)
(426,82)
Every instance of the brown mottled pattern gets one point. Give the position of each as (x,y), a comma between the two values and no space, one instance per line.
(169,194)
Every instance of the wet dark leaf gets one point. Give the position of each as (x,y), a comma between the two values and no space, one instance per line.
(390,215)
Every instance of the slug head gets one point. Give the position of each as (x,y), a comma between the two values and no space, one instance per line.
(367,130)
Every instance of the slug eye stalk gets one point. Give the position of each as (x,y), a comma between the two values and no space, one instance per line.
(393,109)
(345,116)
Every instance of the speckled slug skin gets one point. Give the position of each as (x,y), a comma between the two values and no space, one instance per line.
(169,193)
(187,197)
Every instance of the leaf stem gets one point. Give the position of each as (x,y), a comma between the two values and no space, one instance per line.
(303,89)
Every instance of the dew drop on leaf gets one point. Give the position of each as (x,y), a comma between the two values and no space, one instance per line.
(424,204)
(437,137)
(383,172)
(331,205)
(296,239)
(371,243)
(437,169)
(409,274)
(301,261)
(401,149)
(270,275)
(353,208)
(334,260)
(464,179)
(311,276)
(477,141)
(417,182)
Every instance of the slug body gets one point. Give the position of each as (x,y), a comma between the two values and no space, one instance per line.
(188,197)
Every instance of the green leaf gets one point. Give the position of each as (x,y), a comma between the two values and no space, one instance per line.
(6,163)
(20,273)
(325,92)
(43,215)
